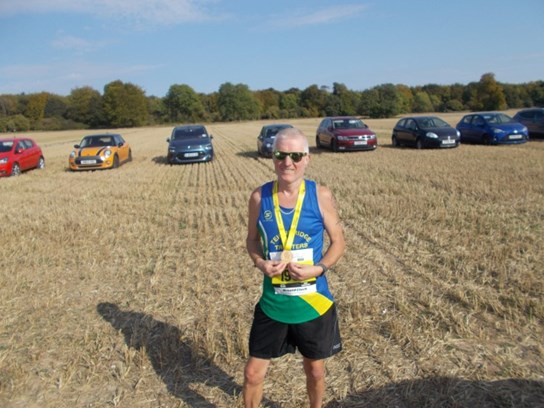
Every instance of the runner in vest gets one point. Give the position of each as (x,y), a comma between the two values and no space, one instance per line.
(287,221)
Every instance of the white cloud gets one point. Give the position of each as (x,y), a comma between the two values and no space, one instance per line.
(323,16)
(138,11)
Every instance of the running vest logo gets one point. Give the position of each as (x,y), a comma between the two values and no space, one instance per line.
(268,215)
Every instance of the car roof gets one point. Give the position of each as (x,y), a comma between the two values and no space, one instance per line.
(103,134)
(14,139)
(536,108)
(342,117)
(278,125)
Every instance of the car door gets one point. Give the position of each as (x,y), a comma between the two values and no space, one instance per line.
(122,148)
(410,133)
(23,155)
(32,152)
(260,141)
(324,133)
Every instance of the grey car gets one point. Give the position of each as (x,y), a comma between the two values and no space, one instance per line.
(533,118)
(190,144)
(265,140)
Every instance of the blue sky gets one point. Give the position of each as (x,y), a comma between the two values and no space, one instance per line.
(59,45)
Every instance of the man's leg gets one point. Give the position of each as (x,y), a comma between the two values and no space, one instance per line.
(315,381)
(254,374)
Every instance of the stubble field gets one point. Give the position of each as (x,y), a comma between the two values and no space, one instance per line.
(132,287)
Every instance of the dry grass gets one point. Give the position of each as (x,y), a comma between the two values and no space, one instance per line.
(132,288)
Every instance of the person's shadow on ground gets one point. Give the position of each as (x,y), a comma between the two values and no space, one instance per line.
(448,392)
(174,361)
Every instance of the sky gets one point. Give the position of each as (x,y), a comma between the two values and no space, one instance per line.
(60,45)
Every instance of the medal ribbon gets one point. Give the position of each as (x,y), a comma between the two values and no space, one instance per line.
(287,239)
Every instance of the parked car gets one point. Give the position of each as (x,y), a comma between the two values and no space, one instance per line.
(424,131)
(265,140)
(101,151)
(533,118)
(19,154)
(491,128)
(190,144)
(345,133)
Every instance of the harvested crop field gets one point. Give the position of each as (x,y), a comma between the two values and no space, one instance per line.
(132,287)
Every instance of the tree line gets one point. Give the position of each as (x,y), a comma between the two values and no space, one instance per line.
(126,105)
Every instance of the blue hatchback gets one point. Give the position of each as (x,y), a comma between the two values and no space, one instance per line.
(491,128)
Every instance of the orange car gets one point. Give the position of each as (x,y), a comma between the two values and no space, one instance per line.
(104,151)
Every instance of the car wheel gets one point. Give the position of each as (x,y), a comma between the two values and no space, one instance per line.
(419,144)
(334,146)
(41,163)
(394,141)
(15,170)
(129,156)
(115,162)
(486,140)
(317,142)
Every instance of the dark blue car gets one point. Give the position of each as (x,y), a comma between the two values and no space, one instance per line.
(491,128)
(424,131)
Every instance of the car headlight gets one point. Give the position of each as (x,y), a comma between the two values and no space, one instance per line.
(497,131)
(208,147)
(4,160)
(431,135)
(342,138)
(372,136)
(107,153)
(268,145)
(172,150)
(458,133)
(72,154)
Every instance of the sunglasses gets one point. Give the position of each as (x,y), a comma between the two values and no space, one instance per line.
(295,156)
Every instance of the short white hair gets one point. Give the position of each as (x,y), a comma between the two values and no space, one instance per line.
(292,133)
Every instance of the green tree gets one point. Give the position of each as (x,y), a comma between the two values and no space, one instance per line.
(56,106)
(125,105)
(313,101)
(269,102)
(382,101)
(490,93)
(85,106)
(236,102)
(422,102)
(35,108)
(183,104)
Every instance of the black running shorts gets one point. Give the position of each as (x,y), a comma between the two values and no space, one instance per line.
(316,339)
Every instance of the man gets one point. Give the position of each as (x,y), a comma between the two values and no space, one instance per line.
(287,221)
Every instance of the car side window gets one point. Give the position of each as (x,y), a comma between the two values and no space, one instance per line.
(411,125)
(20,146)
(28,143)
(477,121)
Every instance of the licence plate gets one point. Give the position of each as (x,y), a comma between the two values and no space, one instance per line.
(515,137)
(88,161)
(449,141)
(190,154)
(359,142)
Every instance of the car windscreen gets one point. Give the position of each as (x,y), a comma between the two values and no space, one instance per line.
(189,133)
(348,124)
(273,131)
(96,141)
(5,146)
(497,119)
(428,123)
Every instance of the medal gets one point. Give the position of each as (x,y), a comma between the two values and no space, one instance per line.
(286,256)
(287,238)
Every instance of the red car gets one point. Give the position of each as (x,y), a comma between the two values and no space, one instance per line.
(342,133)
(19,154)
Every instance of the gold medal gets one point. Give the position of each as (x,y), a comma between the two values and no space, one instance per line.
(286,256)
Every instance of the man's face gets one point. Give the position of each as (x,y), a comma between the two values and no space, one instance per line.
(287,170)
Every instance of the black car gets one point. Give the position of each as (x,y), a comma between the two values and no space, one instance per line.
(190,144)
(265,140)
(533,118)
(424,131)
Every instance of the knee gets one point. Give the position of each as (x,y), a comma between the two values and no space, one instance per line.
(315,374)
(254,375)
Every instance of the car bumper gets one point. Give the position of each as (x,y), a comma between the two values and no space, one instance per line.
(90,163)
(189,157)
(353,145)
(441,143)
(510,139)
(5,170)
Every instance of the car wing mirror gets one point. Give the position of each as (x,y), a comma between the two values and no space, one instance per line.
(120,144)
(211,136)
(19,150)
(168,140)
(76,146)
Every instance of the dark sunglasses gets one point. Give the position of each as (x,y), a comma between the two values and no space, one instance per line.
(295,156)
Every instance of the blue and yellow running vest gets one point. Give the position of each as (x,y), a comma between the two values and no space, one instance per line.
(283,299)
